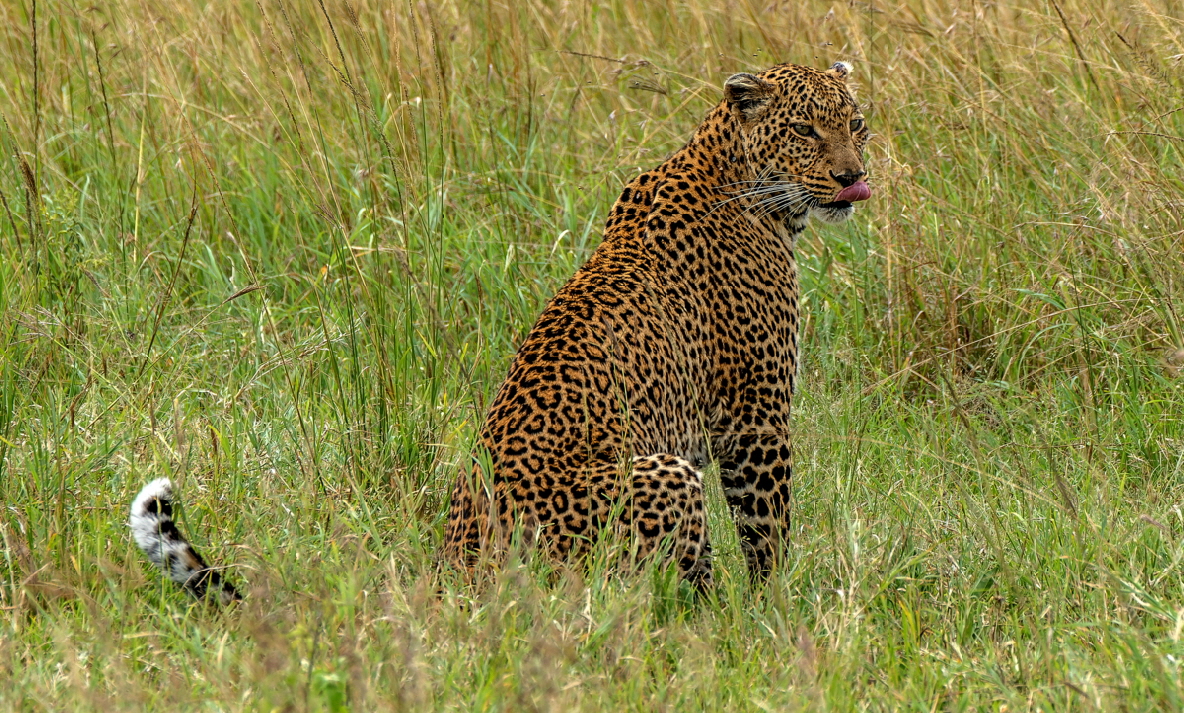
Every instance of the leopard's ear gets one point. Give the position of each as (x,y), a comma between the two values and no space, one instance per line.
(840,70)
(747,95)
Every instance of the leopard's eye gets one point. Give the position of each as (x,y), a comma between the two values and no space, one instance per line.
(856,125)
(803,130)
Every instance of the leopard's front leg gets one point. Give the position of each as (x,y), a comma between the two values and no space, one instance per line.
(756,480)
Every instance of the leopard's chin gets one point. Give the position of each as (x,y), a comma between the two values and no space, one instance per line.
(834,212)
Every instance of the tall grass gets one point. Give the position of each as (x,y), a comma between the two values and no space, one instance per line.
(283,252)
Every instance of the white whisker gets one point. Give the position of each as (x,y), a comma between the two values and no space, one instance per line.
(768,194)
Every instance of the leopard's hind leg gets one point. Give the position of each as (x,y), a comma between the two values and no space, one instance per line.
(653,503)
(663,502)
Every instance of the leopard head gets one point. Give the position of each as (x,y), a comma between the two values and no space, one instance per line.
(803,137)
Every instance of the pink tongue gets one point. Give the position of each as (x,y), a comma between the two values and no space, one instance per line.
(858,191)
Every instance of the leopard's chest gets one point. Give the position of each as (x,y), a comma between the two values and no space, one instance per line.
(751,292)
(748,316)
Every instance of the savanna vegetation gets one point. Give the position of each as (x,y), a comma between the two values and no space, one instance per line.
(282,252)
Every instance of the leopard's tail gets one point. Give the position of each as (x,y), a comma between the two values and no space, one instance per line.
(157,535)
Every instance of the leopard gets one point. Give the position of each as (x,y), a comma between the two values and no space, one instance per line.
(675,345)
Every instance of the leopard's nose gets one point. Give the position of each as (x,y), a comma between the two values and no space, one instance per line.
(848,178)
